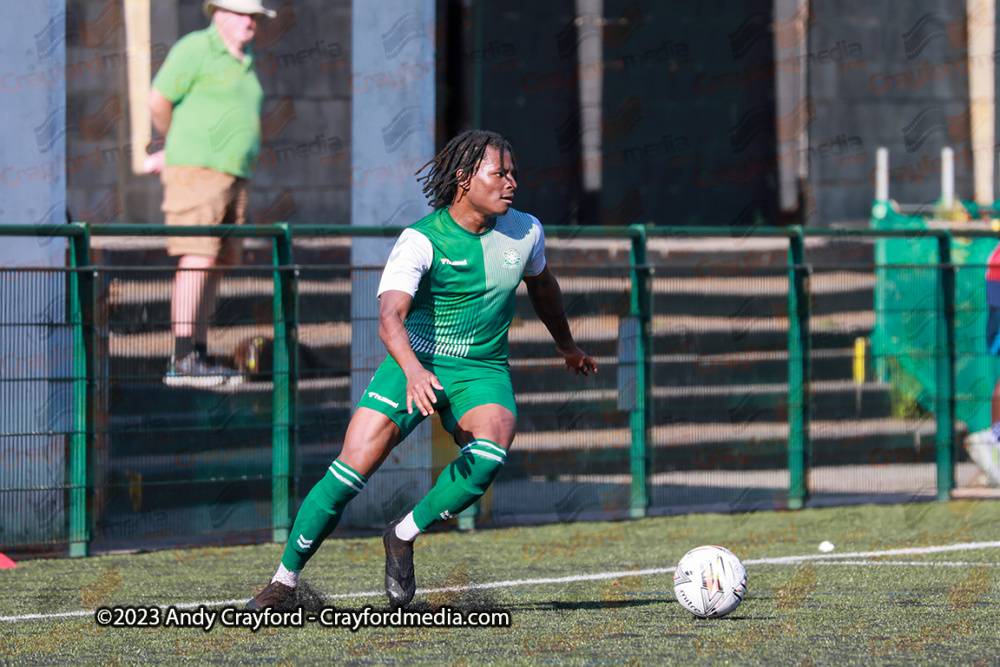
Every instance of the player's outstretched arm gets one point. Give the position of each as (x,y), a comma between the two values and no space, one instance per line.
(546,299)
(420,383)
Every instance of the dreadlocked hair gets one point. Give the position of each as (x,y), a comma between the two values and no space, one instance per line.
(463,153)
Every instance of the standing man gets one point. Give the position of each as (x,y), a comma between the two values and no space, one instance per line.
(446,301)
(206,101)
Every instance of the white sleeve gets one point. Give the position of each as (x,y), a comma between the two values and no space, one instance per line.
(536,262)
(411,258)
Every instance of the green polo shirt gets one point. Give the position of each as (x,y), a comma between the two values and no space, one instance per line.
(217,101)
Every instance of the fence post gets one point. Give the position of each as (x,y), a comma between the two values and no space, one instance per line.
(944,365)
(81,301)
(283,402)
(639,308)
(799,373)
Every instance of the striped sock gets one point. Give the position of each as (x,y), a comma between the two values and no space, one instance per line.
(320,513)
(461,483)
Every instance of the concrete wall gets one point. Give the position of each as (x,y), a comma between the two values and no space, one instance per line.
(886,73)
(97,142)
(33,408)
(867,90)
(303,59)
(393,89)
(672,91)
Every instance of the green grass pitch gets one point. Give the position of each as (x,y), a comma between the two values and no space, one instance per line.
(581,593)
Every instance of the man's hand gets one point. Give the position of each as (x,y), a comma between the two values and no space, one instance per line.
(578,361)
(420,386)
(153,163)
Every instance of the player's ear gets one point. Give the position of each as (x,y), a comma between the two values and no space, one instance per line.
(463,182)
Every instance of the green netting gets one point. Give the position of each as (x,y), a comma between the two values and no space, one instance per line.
(908,306)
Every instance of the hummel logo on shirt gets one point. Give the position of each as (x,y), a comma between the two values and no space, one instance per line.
(461,262)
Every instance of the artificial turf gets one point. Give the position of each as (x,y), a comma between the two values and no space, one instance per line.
(924,609)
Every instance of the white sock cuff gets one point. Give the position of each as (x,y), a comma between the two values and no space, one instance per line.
(407,528)
(286,577)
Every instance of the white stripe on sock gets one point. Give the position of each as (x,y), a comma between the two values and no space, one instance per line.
(488,455)
(491,445)
(346,481)
(476,447)
(347,471)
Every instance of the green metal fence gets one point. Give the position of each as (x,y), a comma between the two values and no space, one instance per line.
(718,364)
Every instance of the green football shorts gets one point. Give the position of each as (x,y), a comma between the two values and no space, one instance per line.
(467,384)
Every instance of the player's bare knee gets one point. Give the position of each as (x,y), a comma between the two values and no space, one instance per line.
(492,422)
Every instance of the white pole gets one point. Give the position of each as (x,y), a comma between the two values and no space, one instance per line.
(590,52)
(947,178)
(882,174)
(138,46)
(981,29)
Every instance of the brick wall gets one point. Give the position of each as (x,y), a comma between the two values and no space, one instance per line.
(303,59)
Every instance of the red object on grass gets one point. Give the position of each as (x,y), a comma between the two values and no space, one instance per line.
(6,562)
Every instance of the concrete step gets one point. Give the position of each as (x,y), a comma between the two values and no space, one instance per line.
(679,334)
(724,446)
(129,251)
(747,403)
(731,255)
(685,350)
(753,366)
(131,404)
(134,305)
(711,347)
(143,356)
(596,409)
(749,367)
(244,454)
(183,510)
(761,297)
(327,401)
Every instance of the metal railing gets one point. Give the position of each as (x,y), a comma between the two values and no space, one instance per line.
(634,345)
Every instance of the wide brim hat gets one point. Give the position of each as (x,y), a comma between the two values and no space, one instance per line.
(238,7)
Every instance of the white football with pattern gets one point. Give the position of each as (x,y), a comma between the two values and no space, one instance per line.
(710,581)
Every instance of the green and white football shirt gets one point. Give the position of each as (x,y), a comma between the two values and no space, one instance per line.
(463,284)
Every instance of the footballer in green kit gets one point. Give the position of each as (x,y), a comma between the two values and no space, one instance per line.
(446,300)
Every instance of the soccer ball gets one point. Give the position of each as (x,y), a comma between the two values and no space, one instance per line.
(710,581)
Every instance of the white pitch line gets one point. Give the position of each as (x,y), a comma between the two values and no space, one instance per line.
(912,551)
(943,563)
(784,560)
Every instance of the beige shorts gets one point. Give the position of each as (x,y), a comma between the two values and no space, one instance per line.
(202,196)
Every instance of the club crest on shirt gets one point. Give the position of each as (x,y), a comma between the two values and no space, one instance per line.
(511,258)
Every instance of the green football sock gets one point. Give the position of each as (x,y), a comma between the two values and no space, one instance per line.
(461,483)
(320,513)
